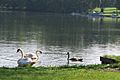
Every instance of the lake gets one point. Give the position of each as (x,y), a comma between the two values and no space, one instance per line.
(55,35)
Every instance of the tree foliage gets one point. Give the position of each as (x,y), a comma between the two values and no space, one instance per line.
(58,6)
(118,4)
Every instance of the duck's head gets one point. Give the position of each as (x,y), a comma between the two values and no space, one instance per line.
(68,53)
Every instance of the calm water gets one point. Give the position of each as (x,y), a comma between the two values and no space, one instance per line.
(55,35)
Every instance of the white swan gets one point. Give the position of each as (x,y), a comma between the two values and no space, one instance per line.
(28,58)
(33,56)
(22,53)
(23,61)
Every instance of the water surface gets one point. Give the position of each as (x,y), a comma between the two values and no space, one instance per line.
(55,35)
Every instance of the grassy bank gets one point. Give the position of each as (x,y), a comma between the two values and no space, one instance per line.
(117,58)
(92,72)
(108,11)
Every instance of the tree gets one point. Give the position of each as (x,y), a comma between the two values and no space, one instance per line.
(118,4)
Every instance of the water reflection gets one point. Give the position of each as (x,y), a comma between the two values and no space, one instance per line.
(56,34)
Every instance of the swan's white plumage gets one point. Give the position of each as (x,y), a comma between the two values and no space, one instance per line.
(28,58)
(24,62)
(33,56)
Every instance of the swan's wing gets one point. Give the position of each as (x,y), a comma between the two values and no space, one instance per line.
(24,61)
(32,56)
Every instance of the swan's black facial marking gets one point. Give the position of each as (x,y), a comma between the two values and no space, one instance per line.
(33,58)
(40,51)
(18,50)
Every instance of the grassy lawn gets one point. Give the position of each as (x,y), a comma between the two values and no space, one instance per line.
(98,72)
(117,58)
(108,11)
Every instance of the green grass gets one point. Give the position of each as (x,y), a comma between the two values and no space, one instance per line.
(91,72)
(117,58)
(108,11)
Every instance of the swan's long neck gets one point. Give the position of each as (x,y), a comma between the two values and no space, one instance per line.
(21,53)
(37,53)
(68,57)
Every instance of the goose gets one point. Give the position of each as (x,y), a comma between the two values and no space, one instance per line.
(73,59)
